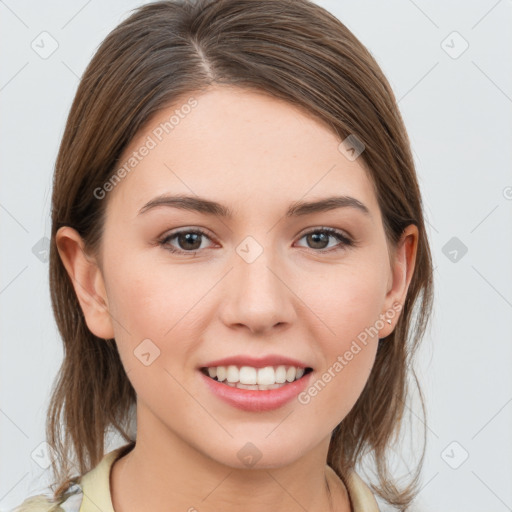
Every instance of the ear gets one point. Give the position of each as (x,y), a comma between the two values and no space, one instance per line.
(87,281)
(402,269)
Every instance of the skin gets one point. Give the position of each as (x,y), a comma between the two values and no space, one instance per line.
(256,155)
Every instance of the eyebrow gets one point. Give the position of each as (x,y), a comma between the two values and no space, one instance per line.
(296,209)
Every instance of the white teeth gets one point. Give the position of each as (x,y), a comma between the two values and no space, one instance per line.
(280,375)
(266,376)
(221,373)
(232,374)
(247,377)
(291,373)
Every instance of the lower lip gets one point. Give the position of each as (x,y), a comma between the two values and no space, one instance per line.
(256,401)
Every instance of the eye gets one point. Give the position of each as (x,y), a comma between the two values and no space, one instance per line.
(188,240)
(319,237)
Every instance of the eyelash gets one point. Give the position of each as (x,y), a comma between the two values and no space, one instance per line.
(345,241)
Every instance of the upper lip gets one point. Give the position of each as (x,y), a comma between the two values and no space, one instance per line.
(256,362)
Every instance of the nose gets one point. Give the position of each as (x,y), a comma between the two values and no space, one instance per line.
(258,296)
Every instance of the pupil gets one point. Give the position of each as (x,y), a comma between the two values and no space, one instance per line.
(189,239)
(317,236)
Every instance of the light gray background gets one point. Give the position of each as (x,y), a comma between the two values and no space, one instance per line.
(457,109)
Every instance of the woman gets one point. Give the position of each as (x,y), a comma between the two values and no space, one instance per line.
(237,247)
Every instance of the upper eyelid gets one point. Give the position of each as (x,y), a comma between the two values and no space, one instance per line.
(302,233)
(178,231)
(203,232)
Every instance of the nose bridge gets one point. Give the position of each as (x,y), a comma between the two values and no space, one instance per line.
(256,278)
(257,297)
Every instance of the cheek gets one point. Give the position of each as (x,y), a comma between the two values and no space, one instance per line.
(348,361)
(168,304)
(154,328)
(348,300)
(147,301)
(348,303)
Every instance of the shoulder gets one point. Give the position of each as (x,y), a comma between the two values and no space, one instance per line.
(361,496)
(89,492)
(70,502)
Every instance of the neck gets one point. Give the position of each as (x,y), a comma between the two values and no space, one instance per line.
(173,475)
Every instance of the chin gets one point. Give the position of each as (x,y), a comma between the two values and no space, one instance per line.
(261,451)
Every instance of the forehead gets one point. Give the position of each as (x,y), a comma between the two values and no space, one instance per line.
(241,147)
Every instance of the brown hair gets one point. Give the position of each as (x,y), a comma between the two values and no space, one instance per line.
(293,50)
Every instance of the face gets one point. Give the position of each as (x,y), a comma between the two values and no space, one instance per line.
(272,284)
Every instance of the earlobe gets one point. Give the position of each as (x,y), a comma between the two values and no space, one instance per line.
(402,272)
(87,281)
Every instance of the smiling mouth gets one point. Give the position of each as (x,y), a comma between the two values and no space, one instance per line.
(258,379)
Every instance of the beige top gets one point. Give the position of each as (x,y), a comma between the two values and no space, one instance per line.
(92,492)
